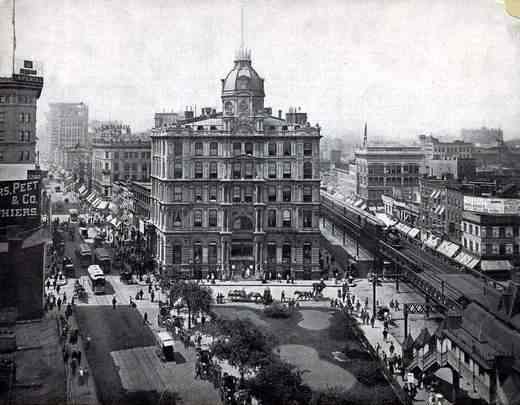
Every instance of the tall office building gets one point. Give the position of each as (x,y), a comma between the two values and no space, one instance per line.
(236,193)
(67,126)
(18,97)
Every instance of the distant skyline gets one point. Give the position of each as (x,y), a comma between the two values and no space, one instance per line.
(406,67)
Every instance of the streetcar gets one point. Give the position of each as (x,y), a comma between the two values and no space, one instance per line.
(103,259)
(96,278)
(84,253)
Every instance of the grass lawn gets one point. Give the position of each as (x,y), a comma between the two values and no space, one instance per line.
(110,330)
(369,387)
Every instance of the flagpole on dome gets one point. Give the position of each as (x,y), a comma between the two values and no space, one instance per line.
(14,32)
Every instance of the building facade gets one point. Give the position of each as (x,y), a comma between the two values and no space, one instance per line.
(490,230)
(381,168)
(67,126)
(119,158)
(237,193)
(18,97)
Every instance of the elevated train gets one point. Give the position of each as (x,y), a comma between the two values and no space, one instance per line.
(369,225)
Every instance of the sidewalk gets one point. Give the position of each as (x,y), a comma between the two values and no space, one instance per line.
(78,392)
(375,336)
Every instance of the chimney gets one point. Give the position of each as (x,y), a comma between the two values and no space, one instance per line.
(280,114)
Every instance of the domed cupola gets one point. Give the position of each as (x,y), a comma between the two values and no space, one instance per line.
(243,78)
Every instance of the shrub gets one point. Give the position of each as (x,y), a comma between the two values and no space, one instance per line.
(277,310)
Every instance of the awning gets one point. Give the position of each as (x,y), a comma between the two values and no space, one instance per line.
(91,197)
(82,189)
(112,207)
(358,203)
(96,202)
(103,205)
(413,232)
(363,207)
(467,260)
(403,228)
(432,242)
(109,218)
(496,265)
(448,248)
(388,221)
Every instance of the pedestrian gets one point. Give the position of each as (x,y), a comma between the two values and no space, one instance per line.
(391,367)
(372,321)
(385,334)
(54,283)
(392,348)
(282,296)
(58,289)
(152,296)
(114,302)
(73,366)
(385,359)
(66,354)
(391,304)
(87,342)
(149,288)
(396,305)
(366,302)
(78,357)
(378,347)
(64,298)
(145,318)
(48,284)
(86,375)
(59,303)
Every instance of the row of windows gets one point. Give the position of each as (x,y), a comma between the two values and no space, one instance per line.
(491,231)
(129,155)
(246,148)
(241,250)
(24,156)
(24,117)
(24,136)
(382,169)
(134,166)
(245,170)
(238,194)
(14,99)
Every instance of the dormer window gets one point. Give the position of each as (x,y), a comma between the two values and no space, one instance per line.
(200,127)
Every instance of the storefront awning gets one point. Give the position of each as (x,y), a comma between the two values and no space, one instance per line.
(414,232)
(467,260)
(432,242)
(495,265)
(103,205)
(109,218)
(388,221)
(96,202)
(448,248)
(82,189)
(403,228)
(91,197)
(112,207)
(358,203)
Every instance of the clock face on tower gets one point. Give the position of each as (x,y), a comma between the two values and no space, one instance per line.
(229,108)
(243,106)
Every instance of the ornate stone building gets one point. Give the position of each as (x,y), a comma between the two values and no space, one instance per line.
(237,193)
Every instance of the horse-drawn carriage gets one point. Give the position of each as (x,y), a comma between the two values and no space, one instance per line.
(243,296)
(79,291)
(315,294)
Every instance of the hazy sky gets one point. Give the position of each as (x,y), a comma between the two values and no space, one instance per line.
(405,66)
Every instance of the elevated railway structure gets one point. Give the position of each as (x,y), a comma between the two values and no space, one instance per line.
(440,281)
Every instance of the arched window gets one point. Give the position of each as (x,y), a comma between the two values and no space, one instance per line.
(286,253)
(198,149)
(197,218)
(197,252)
(286,219)
(243,223)
(307,253)
(307,170)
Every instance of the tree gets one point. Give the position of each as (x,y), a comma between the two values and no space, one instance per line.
(279,383)
(196,297)
(243,345)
